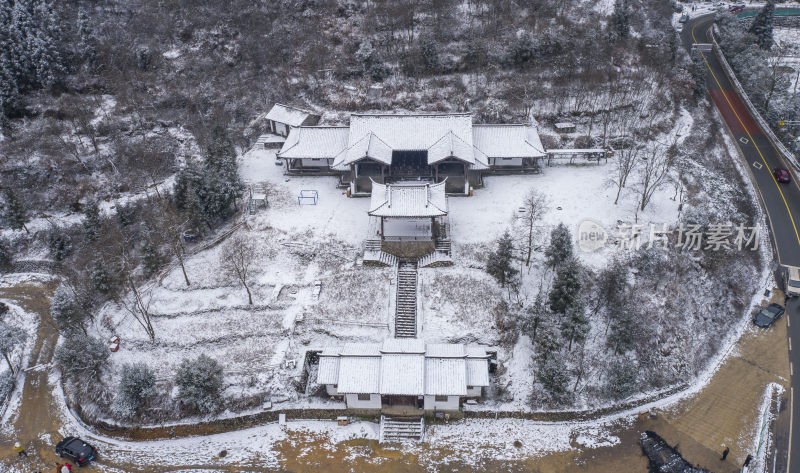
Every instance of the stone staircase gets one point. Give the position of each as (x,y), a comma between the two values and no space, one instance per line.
(402,429)
(405,311)
(374,256)
(434,260)
(443,246)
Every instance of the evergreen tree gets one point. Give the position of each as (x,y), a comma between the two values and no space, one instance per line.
(621,18)
(199,383)
(699,72)
(91,221)
(625,328)
(762,25)
(87,41)
(560,247)
(552,373)
(500,263)
(59,244)
(152,259)
(136,385)
(612,285)
(534,315)
(6,255)
(81,356)
(575,325)
(14,213)
(566,286)
(622,379)
(429,54)
(10,338)
(547,340)
(67,311)
(100,277)
(522,50)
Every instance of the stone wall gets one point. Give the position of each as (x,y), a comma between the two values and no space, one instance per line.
(408,249)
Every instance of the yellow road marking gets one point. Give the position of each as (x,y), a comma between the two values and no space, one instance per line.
(796,234)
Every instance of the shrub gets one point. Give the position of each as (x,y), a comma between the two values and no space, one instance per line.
(136,385)
(199,383)
(82,356)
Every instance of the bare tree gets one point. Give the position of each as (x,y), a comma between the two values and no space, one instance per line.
(655,173)
(139,307)
(627,156)
(532,210)
(238,257)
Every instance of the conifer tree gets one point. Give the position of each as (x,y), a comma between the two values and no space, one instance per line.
(762,25)
(91,221)
(500,262)
(560,247)
(15,213)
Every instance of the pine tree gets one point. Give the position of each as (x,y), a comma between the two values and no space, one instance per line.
(81,356)
(14,213)
(534,315)
(10,338)
(566,286)
(59,244)
(575,325)
(6,255)
(91,221)
(621,18)
(625,328)
(762,26)
(100,277)
(199,383)
(87,41)
(136,385)
(699,72)
(500,262)
(67,311)
(152,259)
(622,379)
(560,248)
(552,373)
(429,54)
(547,340)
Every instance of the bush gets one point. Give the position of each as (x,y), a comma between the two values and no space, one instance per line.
(552,373)
(622,379)
(199,383)
(66,310)
(82,356)
(136,385)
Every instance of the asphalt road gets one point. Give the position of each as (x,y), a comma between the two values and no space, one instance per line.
(781,201)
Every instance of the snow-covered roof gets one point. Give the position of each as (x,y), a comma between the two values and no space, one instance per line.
(576,150)
(287,114)
(358,374)
(406,367)
(508,141)
(314,142)
(408,200)
(446,377)
(402,374)
(408,132)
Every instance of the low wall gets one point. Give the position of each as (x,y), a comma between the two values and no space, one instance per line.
(408,249)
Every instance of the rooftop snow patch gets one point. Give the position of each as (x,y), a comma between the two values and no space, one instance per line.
(289,115)
(408,200)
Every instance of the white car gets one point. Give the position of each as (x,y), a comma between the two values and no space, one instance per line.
(792,278)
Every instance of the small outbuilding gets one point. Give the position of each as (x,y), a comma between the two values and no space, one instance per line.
(282,118)
(404,375)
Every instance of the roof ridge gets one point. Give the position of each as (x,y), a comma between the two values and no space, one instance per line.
(295,108)
(416,114)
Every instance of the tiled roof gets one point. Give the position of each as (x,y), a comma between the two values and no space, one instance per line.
(287,114)
(404,367)
(408,200)
(507,141)
(314,142)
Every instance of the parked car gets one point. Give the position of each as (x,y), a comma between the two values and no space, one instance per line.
(782,175)
(736,8)
(79,451)
(792,279)
(684,18)
(679,28)
(768,315)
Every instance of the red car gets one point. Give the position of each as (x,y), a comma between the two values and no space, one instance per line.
(736,8)
(782,175)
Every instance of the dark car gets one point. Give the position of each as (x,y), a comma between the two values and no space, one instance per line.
(769,314)
(76,449)
(782,175)
(736,8)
